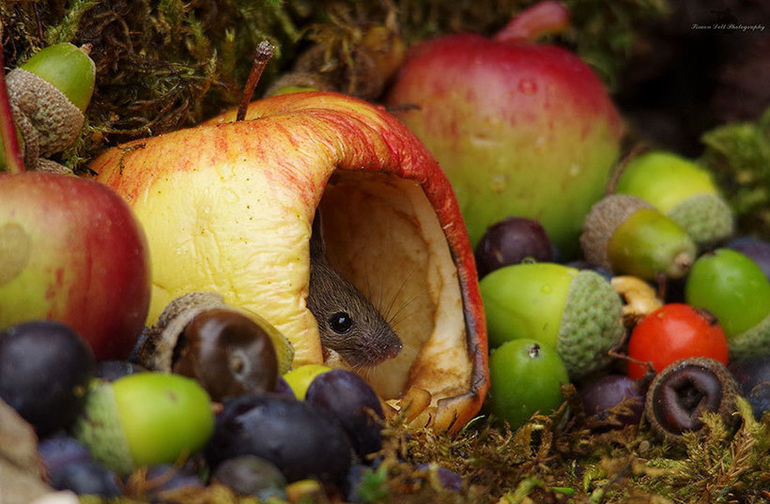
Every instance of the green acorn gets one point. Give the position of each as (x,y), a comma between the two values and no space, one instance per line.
(627,235)
(48,95)
(681,189)
(145,419)
(577,312)
(731,286)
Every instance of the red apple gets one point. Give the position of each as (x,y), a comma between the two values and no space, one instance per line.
(228,207)
(520,129)
(72,251)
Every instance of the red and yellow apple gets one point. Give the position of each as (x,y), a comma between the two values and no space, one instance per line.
(521,129)
(72,251)
(228,206)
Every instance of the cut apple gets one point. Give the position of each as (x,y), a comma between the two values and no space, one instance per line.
(228,207)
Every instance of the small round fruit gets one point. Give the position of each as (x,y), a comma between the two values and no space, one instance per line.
(512,241)
(672,332)
(683,391)
(525,378)
(145,419)
(753,377)
(228,353)
(45,368)
(299,378)
(300,440)
(733,288)
(602,396)
(577,312)
(349,399)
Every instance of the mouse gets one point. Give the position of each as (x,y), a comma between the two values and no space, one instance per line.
(348,321)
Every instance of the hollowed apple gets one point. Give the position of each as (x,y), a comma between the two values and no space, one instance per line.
(228,207)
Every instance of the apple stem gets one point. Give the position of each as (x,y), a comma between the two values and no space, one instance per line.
(10,142)
(546,17)
(261,57)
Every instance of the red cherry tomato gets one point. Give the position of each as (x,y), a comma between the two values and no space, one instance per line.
(672,332)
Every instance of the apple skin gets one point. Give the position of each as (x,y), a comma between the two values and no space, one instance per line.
(227,207)
(73,252)
(520,129)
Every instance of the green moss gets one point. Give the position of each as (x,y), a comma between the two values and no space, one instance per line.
(739,155)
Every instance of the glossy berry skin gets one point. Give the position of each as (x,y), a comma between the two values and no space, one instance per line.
(511,241)
(58,452)
(753,377)
(672,332)
(45,368)
(601,395)
(349,399)
(525,378)
(87,478)
(249,475)
(302,441)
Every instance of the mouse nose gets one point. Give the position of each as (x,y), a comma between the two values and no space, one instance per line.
(393,349)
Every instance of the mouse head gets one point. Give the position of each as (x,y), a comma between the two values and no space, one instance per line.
(348,322)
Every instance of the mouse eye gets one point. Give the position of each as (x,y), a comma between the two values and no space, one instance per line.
(340,322)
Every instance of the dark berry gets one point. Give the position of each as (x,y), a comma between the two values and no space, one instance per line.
(164,477)
(353,402)
(753,377)
(511,241)
(448,479)
(603,396)
(58,452)
(87,478)
(45,368)
(302,441)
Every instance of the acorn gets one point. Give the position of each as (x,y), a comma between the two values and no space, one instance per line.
(228,350)
(577,312)
(734,288)
(145,419)
(627,235)
(684,390)
(48,96)
(681,189)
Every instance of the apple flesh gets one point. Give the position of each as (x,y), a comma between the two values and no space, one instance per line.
(520,129)
(72,251)
(228,207)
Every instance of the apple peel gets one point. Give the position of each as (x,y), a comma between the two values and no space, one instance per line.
(228,207)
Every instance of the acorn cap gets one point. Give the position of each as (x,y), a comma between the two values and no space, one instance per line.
(156,351)
(57,120)
(592,324)
(100,429)
(600,224)
(754,341)
(667,387)
(707,218)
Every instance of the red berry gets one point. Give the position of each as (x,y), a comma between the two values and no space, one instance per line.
(672,332)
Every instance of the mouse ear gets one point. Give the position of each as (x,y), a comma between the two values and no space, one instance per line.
(317,246)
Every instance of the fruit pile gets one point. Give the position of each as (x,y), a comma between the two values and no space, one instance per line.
(563,325)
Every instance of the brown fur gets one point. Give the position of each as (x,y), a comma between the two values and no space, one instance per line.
(370,339)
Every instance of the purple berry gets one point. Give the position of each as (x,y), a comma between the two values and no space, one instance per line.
(511,241)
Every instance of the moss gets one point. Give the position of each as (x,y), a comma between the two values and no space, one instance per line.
(739,155)
(166,64)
